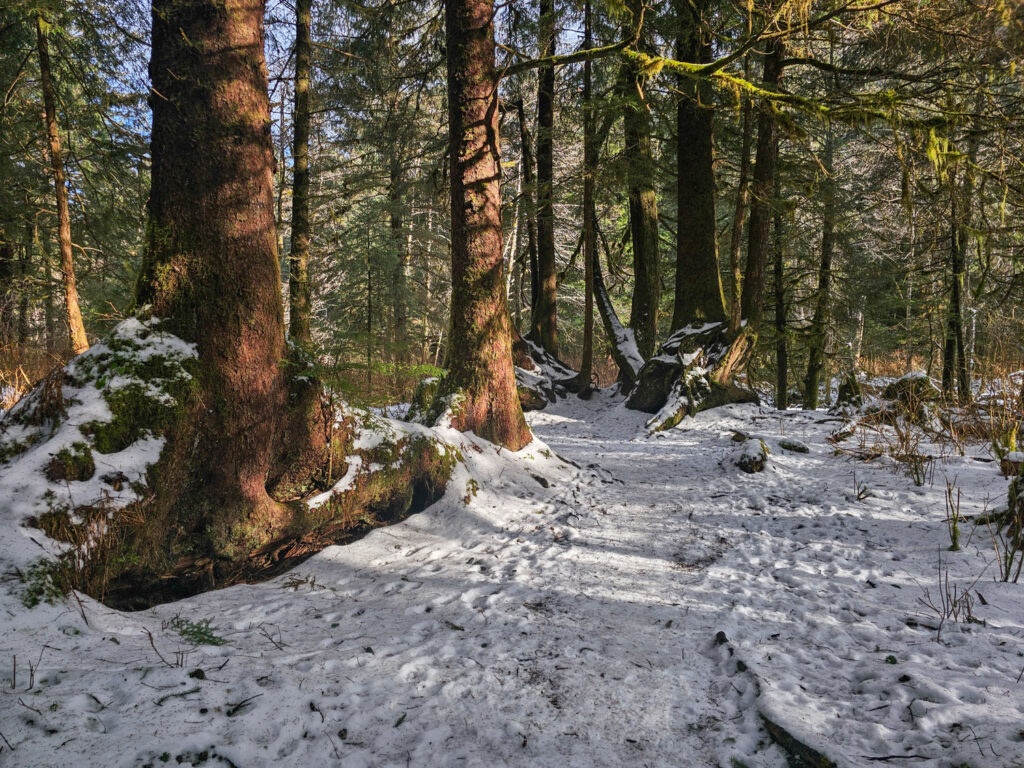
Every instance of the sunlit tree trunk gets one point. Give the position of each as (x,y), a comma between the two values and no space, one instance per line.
(211,267)
(589,212)
(480,363)
(72,311)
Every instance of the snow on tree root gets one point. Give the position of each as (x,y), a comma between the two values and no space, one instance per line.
(690,373)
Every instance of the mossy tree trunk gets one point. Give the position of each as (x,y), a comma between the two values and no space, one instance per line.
(698,284)
(545,316)
(643,205)
(72,311)
(752,300)
(211,269)
(480,364)
(300,303)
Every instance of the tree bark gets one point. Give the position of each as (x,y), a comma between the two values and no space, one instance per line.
(643,207)
(72,311)
(300,303)
(211,267)
(545,316)
(752,300)
(399,316)
(589,213)
(822,307)
(698,284)
(781,346)
(530,185)
(480,370)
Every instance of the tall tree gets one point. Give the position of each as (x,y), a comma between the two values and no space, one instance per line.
(761,191)
(698,288)
(211,265)
(480,364)
(72,311)
(819,324)
(643,201)
(300,303)
(589,212)
(545,319)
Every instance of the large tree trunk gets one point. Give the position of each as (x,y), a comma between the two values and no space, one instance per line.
(73,313)
(545,316)
(698,289)
(643,207)
(300,304)
(211,267)
(480,370)
(822,307)
(752,301)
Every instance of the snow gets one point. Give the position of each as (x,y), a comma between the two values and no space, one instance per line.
(545,613)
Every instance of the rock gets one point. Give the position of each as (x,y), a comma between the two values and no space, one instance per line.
(912,390)
(751,456)
(849,396)
(793,445)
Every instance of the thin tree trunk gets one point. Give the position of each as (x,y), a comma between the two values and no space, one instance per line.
(545,317)
(589,213)
(300,303)
(698,284)
(7,291)
(399,315)
(781,347)
(526,147)
(24,273)
(49,310)
(819,324)
(480,369)
(72,311)
(752,300)
(739,215)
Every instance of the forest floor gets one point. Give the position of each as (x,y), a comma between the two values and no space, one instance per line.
(546,614)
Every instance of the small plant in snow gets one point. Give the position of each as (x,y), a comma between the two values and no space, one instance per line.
(952,601)
(197,632)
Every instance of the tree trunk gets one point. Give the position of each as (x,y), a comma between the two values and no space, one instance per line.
(73,313)
(752,301)
(480,369)
(8,266)
(742,194)
(698,285)
(643,207)
(781,347)
(530,184)
(300,304)
(545,316)
(819,324)
(396,224)
(589,213)
(211,267)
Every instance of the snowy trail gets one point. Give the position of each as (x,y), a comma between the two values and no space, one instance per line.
(547,615)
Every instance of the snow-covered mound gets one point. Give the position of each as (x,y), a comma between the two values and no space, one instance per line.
(655,605)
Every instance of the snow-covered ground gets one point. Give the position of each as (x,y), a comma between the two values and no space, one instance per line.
(545,614)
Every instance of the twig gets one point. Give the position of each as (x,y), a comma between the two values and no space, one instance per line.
(153,645)
(189,692)
(243,703)
(6,741)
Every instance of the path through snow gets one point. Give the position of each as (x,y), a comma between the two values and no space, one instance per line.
(567,617)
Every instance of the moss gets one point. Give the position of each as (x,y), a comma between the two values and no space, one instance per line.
(423,398)
(45,582)
(71,464)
